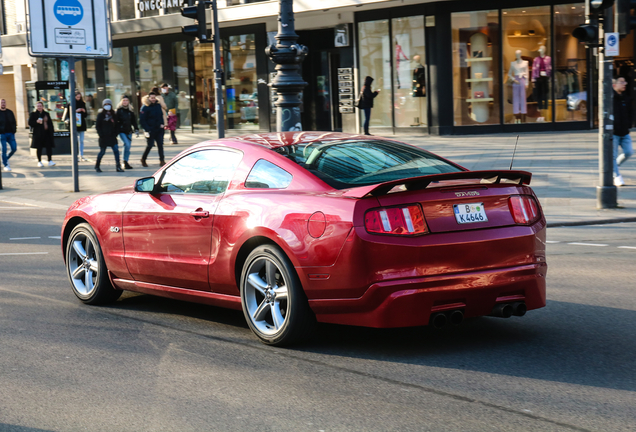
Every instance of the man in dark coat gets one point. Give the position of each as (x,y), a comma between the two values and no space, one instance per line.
(107,129)
(151,119)
(8,127)
(43,133)
(623,120)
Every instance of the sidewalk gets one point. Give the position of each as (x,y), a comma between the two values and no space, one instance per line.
(564,167)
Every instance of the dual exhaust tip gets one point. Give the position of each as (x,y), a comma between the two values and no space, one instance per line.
(439,320)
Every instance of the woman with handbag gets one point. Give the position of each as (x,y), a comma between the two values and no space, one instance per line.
(365,102)
(43,138)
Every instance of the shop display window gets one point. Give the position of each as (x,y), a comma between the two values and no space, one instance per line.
(375,61)
(409,72)
(241,86)
(149,67)
(86,80)
(205,114)
(475,61)
(181,86)
(528,65)
(570,71)
(118,82)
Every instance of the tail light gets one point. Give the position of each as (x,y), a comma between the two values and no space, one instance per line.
(524,209)
(405,221)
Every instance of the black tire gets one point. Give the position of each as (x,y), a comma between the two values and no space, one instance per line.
(274,303)
(86,268)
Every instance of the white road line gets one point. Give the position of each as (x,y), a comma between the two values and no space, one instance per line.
(56,237)
(588,244)
(627,247)
(552,242)
(24,253)
(24,238)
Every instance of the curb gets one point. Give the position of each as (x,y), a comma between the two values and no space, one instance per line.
(591,222)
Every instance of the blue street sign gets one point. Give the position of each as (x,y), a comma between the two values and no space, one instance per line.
(68,12)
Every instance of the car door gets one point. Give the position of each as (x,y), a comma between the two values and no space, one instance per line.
(168,232)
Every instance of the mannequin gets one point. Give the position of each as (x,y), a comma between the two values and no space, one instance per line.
(419,77)
(518,73)
(399,56)
(541,73)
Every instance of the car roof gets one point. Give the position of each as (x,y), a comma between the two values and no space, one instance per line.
(274,140)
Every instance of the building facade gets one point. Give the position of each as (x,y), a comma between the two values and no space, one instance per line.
(443,67)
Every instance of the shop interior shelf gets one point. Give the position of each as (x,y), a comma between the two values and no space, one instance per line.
(526,36)
(478,59)
(478,79)
(480,100)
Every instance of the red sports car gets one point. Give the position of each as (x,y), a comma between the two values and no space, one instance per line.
(303,227)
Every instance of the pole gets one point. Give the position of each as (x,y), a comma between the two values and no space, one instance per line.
(218,76)
(288,55)
(72,122)
(606,191)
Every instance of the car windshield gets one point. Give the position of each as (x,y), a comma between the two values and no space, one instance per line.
(352,163)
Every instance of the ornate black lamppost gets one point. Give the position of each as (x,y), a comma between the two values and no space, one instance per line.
(288,55)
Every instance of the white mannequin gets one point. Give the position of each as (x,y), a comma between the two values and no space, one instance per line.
(518,73)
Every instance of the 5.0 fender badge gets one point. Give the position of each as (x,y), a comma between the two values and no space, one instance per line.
(466,194)
(114,229)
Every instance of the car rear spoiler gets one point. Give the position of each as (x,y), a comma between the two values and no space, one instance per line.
(414,183)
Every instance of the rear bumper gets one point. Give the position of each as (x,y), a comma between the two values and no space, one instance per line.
(410,302)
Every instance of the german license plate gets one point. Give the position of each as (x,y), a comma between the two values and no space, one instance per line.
(470,213)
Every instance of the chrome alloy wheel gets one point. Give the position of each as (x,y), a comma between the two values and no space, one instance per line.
(265,296)
(83,265)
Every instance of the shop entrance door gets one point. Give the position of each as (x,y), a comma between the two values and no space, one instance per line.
(321,94)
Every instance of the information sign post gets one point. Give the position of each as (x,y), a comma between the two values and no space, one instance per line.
(69,29)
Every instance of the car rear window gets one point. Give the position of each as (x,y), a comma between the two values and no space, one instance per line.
(352,163)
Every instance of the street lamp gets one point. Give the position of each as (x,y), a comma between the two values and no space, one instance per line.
(288,55)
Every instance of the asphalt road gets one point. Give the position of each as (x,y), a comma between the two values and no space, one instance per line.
(152,364)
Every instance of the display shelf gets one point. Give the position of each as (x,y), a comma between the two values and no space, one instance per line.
(479,79)
(480,100)
(527,36)
(478,59)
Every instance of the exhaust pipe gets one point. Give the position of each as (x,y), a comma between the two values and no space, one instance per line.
(503,310)
(456,317)
(439,320)
(519,309)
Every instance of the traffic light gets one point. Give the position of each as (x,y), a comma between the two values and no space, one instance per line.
(587,33)
(200,29)
(625,22)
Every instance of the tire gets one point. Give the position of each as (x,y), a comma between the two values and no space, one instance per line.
(273,300)
(86,268)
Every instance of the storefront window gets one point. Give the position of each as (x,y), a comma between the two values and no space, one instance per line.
(181,86)
(126,9)
(87,84)
(409,72)
(475,64)
(570,85)
(205,114)
(528,65)
(149,67)
(375,61)
(118,82)
(241,84)
(50,69)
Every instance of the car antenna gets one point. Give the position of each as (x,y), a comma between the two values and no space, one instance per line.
(513,152)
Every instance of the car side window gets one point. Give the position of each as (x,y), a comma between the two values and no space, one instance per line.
(266,175)
(202,172)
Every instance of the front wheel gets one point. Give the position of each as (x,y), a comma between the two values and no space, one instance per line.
(86,268)
(273,300)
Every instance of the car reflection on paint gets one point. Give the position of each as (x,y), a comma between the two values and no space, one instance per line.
(303,227)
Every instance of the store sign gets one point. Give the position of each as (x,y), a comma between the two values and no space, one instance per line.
(69,28)
(341,35)
(150,5)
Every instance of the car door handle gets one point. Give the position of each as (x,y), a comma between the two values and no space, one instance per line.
(200,214)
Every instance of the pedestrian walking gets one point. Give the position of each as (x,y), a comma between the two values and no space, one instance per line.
(42,129)
(8,127)
(126,123)
(623,120)
(366,102)
(107,130)
(152,121)
(172,126)
(80,122)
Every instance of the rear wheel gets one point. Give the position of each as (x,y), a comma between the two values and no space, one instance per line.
(274,303)
(86,268)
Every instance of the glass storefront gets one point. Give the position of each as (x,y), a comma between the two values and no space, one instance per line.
(118,81)
(241,82)
(375,61)
(148,72)
(86,80)
(181,85)
(475,67)
(205,115)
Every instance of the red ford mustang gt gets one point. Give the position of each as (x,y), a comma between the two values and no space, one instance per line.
(301,227)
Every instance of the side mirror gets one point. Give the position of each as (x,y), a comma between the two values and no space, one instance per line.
(146,184)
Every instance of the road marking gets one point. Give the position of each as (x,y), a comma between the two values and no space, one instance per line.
(24,238)
(627,247)
(588,244)
(56,237)
(552,242)
(25,253)
(14,208)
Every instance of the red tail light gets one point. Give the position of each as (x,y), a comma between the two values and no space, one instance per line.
(407,220)
(524,209)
